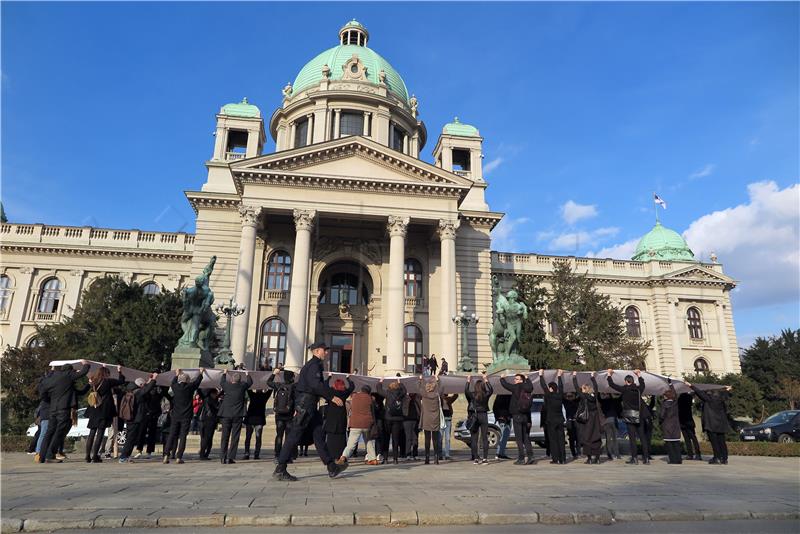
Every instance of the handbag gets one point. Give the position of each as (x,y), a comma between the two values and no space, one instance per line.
(472,422)
(582,415)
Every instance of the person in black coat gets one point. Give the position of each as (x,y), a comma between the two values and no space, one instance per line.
(310,387)
(255,419)
(588,419)
(632,413)
(283,400)
(611,408)
(102,415)
(571,402)
(715,420)
(150,433)
(478,408)
(686,418)
(183,390)
(140,390)
(231,412)
(554,399)
(648,414)
(395,395)
(520,409)
(411,414)
(208,420)
(60,388)
(669,420)
(335,423)
(502,418)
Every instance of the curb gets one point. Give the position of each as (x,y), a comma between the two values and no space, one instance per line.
(394,519)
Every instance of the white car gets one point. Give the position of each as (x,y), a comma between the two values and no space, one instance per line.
(81,430)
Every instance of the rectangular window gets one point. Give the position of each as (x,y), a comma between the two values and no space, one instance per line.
(396,138)
(301,133)
(351,123)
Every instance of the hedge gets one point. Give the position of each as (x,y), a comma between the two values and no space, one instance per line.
(19,443)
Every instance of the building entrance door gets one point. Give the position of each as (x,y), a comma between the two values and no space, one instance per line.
(342,353)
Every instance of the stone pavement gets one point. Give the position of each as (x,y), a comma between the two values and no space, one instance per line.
(148,494)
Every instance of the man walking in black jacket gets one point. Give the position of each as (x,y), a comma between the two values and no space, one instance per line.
(182,395)
(520,408)
(231,412)
(60,388)
(283,407)
(310,387)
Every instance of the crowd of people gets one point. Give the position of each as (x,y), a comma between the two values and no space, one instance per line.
(388,419)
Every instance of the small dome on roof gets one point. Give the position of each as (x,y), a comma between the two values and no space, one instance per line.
(663,244)
(458,128)
(241,109)
(354,24)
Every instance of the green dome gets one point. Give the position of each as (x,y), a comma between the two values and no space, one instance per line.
(663,244)
(241,109)
(458,128)
(336,57)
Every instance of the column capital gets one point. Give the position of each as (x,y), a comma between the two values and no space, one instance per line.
(447,228)
(304,219)
(249,215)
(397,226)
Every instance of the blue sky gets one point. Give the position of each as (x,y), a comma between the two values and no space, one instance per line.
(586,109)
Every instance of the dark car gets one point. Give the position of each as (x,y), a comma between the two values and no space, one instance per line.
(537,432)
(783,427)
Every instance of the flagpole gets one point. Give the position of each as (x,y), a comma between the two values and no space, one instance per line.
(655,206)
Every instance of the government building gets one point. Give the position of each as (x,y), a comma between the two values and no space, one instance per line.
(343,233)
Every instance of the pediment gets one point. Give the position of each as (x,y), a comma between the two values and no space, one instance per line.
(355,159)
(699,273)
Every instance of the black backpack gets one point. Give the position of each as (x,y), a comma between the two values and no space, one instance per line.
(283,400)
(396,407)
(525,401)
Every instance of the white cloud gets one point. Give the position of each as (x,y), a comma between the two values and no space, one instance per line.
(573,212)
(577,240)
(702,173)
(758,243)
(492,165)
(623,251)
(504,234)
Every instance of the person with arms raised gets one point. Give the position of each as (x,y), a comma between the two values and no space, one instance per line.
(632,413)
(553,401)
(60,388)
(231,412)
(183,389)
(520,409)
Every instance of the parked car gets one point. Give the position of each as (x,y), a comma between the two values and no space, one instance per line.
(537,432)
(81,430)
(783,427)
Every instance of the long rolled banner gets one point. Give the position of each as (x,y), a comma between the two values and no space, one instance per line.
(654,384)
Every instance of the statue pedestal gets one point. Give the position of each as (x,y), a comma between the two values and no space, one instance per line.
(191,358)
(510,365)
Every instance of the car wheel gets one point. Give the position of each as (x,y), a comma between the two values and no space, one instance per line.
(494,438)
(785,438)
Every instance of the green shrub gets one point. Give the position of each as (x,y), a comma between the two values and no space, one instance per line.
(14,443)
(757,448)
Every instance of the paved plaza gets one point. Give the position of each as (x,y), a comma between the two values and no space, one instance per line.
(197,494)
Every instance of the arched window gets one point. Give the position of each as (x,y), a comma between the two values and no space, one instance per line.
(413,279)
(344,289)
(695,323)
(49,296)
(632,323)
(273,343)
(151,288)
(279,270)
(35,342)
(701,365)
(5,293)
(412,348)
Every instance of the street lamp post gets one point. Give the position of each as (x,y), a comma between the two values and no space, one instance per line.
(229,310)
(462,321)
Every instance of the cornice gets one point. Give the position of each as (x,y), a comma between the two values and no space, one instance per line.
(208,200)
(488,219)
(95,251)
(628,281)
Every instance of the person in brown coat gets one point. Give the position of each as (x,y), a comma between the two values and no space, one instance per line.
(430,419)
(362,423)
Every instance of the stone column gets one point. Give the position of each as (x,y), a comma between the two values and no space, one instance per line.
(73,294)
(292,136)
(310,131)
(449,336)
(395,304)
(676,325)
(723,336)
(244,280)
(298,296)
(219,143)
(366,124)
(336,117)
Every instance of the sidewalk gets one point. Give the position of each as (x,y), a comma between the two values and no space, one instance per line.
(149,494)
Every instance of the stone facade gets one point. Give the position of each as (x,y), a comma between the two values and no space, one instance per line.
(344,234)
